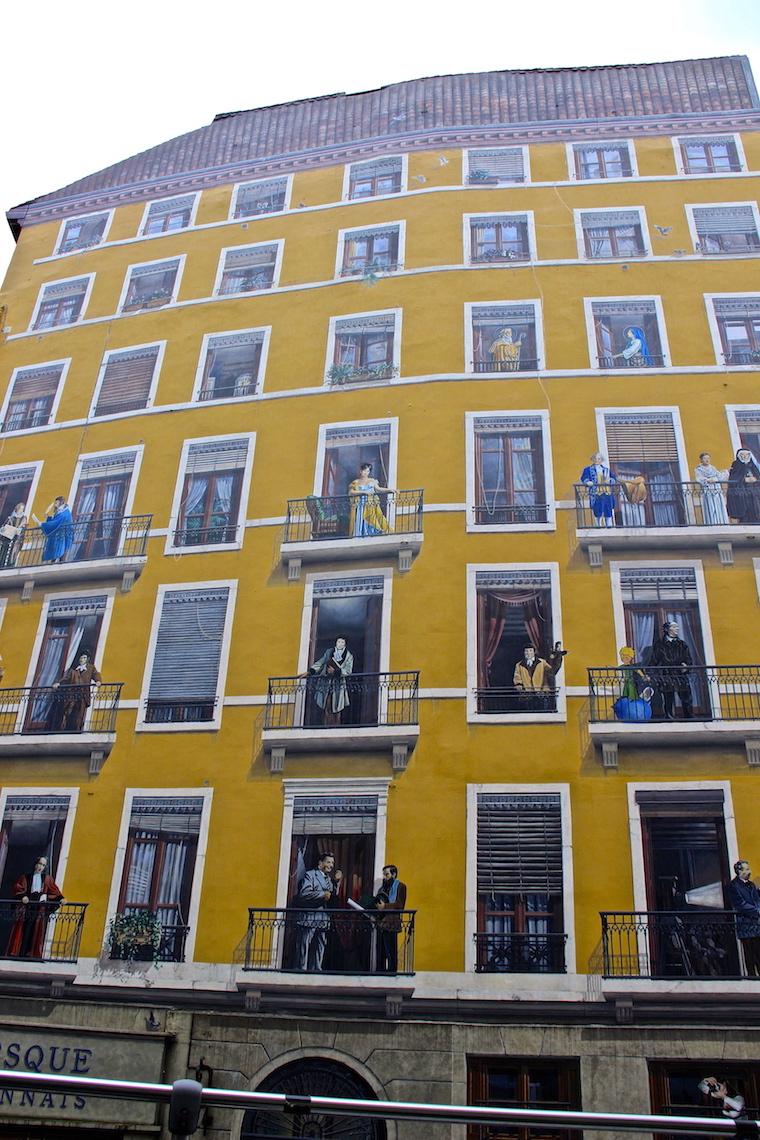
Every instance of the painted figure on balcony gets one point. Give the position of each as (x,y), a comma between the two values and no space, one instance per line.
(80,683)
(671,664)
(634,702)
(314,894)
(534,678)
(12,535)
(743,496)
(744,898)
(328,680)
(505,350)
(38,897)
(367,517)
(635,351)
(710,481)
(58,529)
(599,479)
(391,897)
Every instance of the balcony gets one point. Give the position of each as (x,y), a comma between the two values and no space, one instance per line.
(742,358)
(369,268)
(724,701)
(102,547)
(47,721)
(381,713)
(653,360)
(40,931)
(510,953)
(499,256)
(699,945)
(358,943)
(654,514)
(168,944)
(220,534)
(182,710)
(322,528)
(506,699)
(339,374)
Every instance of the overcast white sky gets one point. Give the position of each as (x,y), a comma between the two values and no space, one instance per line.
(88,82)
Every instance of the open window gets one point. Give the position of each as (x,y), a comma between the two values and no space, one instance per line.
(247,269)
(83,233)
(231,365)
(675,1087)
(628,333)
(738,322)
(364,347)
(32,825)
(151,286)
(72,627)
(267,196)
(504,337)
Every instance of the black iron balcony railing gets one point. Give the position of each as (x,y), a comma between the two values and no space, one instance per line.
(670,944)
(107,536)
(510,953)
(330,941)
(512,515)
(510,699)
(24,420)
(361,700)
(234,389)
(728,244)
(49,709)
(643,503)
(179,710)
(320,517)
(653,360)
(171,946)
(215,535)
(648,693)
(521,364)
(41,931)
(483,178)
(744,357)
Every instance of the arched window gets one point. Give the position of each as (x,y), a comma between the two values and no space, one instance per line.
(317,1077)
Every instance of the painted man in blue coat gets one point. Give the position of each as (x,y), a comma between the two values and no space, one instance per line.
(744,897)
(599,479)
(58,529)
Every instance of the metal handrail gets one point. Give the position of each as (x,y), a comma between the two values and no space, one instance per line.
(520,952)
(511,699)
(642,503)
(354,940)
(359,700)
(45,709)
(664,944)
(327,517)
(91,540)
(646,693)
(41,931)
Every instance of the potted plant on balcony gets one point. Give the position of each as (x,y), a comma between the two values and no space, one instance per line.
(135,937)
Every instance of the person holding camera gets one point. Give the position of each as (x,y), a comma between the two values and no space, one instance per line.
(732,1103)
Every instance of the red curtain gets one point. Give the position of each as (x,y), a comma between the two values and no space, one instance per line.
(492,613)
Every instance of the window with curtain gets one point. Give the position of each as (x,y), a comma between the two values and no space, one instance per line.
(514,609)
(210,505)
(379,176)
(643,454)
(159,865)
(61,303)
(232,365)
(710,156)
(248,270)
(504,337)
(509,471)
(627,334)
(126,380)
(365,250)
(516,1082)
(169,214)
(500,165)
(726,229)
(612,233)
(72,627)
(32,395)
(503,237)
(82,233)
(150,285)
(603,160)
(267,197)
(98,508)
(738,320)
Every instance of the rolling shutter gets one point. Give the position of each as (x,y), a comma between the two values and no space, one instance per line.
(35,383)
(519,843)
(334,815)
(724,220)
(504,163)
(175,816)
(635,438)
(126,380)
(13,476)
(46,809)
(222,455)
(189,645)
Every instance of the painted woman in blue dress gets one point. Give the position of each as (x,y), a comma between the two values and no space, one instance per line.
(367,518)
(636,352)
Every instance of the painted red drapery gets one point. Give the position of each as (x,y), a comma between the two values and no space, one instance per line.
(493,618)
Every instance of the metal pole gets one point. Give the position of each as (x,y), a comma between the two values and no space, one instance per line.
(387,1109)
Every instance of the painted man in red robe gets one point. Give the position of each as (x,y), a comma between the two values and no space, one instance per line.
(38,896)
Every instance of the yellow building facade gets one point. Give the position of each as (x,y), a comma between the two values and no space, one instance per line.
(532,315)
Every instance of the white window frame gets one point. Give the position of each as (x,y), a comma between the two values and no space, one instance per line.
(213,725)
(637,838)
(356,786)
(527,178)
(344,235)
(266,330)
(279,243)
(384,572)
(68,828)
(471,869)
(618,609)
(596,144)
(62,281)
(109,593)
(366,162)
(129,498)
(245,490)
(57,252)
(581,241)
(690,207)
(178,257)
(712,136)
(65,364)
(712,321)
(390,421)
(37,465)
(170,198)
(130,795)
(397,315)
(238,187)
(593,355)
(671,410)
(471,419)
(733,423)
(160,345)
(468,219)
(538,324)
(473,716)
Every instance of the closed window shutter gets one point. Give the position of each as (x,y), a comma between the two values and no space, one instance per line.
(335,815)
(37,808)
(126,381)
(607,219)
(76,607)
(376,166)
(14,476)
(175,816)
(504,163)
(724,220)
(108,466)
(634,439)
(519,843)
(189,645)
(224,455)
(35,383)
(658,584)
(748,423)
(683,801)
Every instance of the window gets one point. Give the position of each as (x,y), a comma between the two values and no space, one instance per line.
(675,1091)
(231,365)
(509,471)
(247,269)
(347,447)
(82,233)
(32,825)
(32,397)
(519,852)
(209,511)
(376,177)
(498,1082)
(738,321)
(500,238)
(314,1076)
(72,626)
(364,348)
(497,166)
(150,286)
(61,303)
(504,337)
(644,446)
(99,504)
(159,867)
(126,380)
(716,154)
(612,233)
(730,229)
(254,198)
(748,427)
(15,487)
(627,333)
(188,662)
(369,251)
(169,214)
(602,160)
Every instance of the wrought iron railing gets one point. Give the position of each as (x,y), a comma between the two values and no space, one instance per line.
(643,503)
(744,243)
(233,389)
(653,360)
(41,931)
(43,709)
(354,942)
(206,535)
(360,700)
(179,710)
(510,953)
(748,356)
(483,178)
(171,947)
(511,699)
(320,517)
(107,536)
(521,364)
(656,693)
(512,515)
(666,944)
(25,420)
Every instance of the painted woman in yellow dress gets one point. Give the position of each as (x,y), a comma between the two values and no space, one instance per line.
(367,517)
(505,350)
